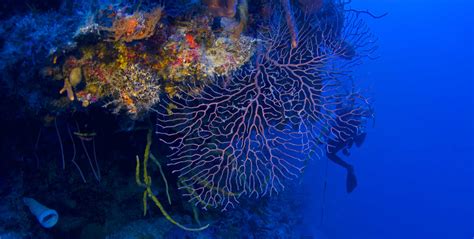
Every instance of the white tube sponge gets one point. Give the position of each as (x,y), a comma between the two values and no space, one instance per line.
(46,217)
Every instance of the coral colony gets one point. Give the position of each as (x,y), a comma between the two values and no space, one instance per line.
(242,95)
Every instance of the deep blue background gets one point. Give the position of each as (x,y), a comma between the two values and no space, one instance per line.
(415,170)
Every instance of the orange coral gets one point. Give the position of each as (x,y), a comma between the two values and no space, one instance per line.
(135,27)
(190,40)
(291,22)
(128,102)
(129,25)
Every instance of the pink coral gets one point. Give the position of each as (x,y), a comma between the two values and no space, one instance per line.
(248,134)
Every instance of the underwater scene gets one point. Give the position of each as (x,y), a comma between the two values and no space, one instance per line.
(203,119)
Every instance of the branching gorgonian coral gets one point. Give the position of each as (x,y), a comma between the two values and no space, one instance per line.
(247,134)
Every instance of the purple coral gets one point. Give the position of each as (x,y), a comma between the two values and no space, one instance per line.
(249,133)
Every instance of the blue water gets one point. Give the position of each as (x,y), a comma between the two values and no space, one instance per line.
(415,170)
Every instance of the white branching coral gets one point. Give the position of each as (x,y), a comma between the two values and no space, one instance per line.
(227,55)
(135,89)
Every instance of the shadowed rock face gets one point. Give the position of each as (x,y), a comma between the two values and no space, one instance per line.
(221,8)
(9,8)
(310,6)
